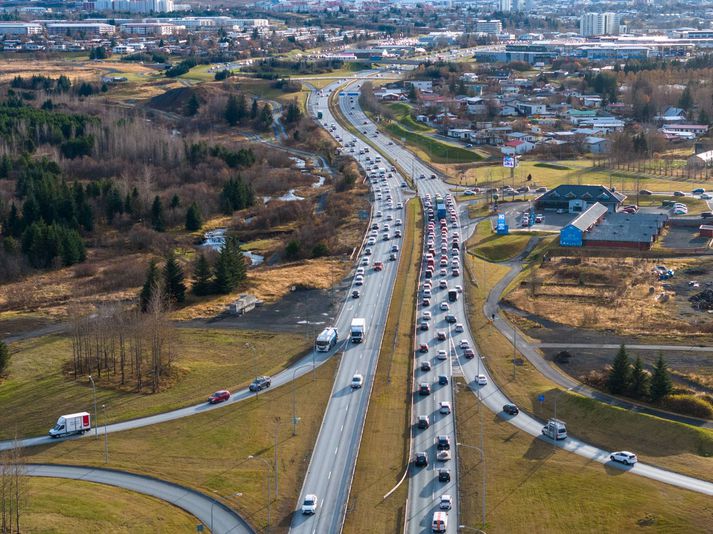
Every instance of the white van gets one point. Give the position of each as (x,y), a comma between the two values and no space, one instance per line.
(440,522)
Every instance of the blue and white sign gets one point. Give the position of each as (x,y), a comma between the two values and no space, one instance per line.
(501,227)
(541,398)
(509,162)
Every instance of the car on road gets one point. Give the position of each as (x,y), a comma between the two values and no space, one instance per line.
(481,380)
(367,251)
(260,383)
(421,459)
(469,354)
(425,366)
(359,280)
(706,196)
(424,388)
(451,318)
(356,294)
(459,327)
(444,475)
(511,409)
(679,194)
(423,347)
(443,380)
(426,316)
(426,302)
(446,502)
(423,421)
(309,505)
(441,335)
(464,344)
(445,408)
(444,306)
(443,456)
(625,457)
(698,191)
(442,355)
(219,396)
(357,381)
(469,192)
(645,192)
(443,443)
(378,265)
(392,257)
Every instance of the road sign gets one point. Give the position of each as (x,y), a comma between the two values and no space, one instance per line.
(541,398)
(509,162)
(199,528)
(502,226)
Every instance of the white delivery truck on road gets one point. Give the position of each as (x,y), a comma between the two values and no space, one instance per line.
(358,330)
(327,339)
(73,423)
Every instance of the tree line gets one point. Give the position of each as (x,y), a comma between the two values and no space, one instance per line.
(237,113)
(14,494)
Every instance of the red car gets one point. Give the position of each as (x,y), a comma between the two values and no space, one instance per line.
(469,354)
(219,396)
(423,347)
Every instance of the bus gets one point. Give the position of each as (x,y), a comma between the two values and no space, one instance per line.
(327,339)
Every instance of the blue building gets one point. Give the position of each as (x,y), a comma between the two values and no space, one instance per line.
(572,235)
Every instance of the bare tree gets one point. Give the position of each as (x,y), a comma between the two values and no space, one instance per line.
(13,489)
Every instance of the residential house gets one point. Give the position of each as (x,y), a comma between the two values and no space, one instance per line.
(528,108)
(575,116)
(701,160)
(672,114)
(511,148)
(597,145)
(460,133)
(425,86)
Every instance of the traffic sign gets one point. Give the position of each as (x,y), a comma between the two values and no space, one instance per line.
(509,162)
(541,398)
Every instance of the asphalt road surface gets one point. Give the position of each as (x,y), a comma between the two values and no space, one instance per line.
(212,513)
(334,456)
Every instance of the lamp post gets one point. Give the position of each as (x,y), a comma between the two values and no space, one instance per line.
(106,437)
(294,398)
(267,485)
(485,487)
(94,390)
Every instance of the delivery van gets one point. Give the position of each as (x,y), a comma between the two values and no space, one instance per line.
(440,522)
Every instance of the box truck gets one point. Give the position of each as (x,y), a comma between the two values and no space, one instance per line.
(358,330)
(327,339)
(73,423)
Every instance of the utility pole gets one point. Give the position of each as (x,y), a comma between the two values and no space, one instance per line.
(277,428)
(106,436)
(96,421)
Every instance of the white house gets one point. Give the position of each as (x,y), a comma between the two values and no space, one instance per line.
(425,86)
(516,147)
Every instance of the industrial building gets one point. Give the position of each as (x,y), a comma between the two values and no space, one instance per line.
(573,198)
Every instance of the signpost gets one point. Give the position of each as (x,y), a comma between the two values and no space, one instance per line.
(502,225)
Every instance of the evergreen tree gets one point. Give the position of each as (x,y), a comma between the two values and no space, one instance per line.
(173,280)
(4,357)
(193,105)
(254,109)
(150,285)
(685,102)
(661,384)
(639,386)
(620,373)
(12,227)
(703,117)
(232,114)
(157,220)
(194,220)
(236,195)
(230,269)
(202,277)
(114,204)
(175,202)
(242,107)
(292,114)
(264,120)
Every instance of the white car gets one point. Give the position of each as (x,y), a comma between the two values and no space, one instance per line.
(464,344)
(706,196)
(427,316)
(481,380)
(309,506)
(459,327)
(442,355)
(444,306)
(625,457)
(365,261)
(359,280)
(446,502)
(357,381)
(445,408)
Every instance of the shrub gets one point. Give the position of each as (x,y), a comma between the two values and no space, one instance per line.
(688,405)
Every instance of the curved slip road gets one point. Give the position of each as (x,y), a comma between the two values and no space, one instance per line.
(212,513)
(490,394)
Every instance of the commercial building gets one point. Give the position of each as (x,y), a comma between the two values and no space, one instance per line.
(135,6)
(572,235)
(491,27)
(148,28)
(591,24)
(20,28)
(80,28)
(574,198)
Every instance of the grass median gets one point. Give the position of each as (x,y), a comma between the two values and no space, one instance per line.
(535,487)
(209,452)
(384,452)
(62,505)
(208,360)
(681,448)
(495,248)
(435,151)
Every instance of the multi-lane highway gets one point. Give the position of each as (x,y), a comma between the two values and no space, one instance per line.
(334,456)
(422,501)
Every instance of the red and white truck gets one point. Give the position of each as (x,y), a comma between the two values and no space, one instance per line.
(73,423)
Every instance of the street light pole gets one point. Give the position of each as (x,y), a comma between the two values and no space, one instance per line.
(485,482)
(106,438)
(294,397)
(94,390)
(267,485)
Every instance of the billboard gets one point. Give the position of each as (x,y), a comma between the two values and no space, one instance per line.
(501,228)
(509,162)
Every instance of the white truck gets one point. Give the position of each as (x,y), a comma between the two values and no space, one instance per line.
(555,429)
(73,423)
(327,339)
(358,330)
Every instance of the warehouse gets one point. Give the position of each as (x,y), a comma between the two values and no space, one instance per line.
(572,235)
(577,198)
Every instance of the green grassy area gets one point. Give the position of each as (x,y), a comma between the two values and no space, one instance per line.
(384,452)
(695,205)
(36,392)
(199,73)
(493,247)
(535,487)
(681,448)
(434,151)
(572,172)
(403,116)
(62,505)
(209,452)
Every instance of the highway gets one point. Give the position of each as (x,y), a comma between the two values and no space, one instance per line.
(334,456)
(212,513)
(421,498)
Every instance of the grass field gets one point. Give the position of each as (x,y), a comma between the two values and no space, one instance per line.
(533,487)
(403,116)
(551,174)
(675,446)
(209,452)
(209,360)
(435,151)
(384,452)
(495,248)
(61,505)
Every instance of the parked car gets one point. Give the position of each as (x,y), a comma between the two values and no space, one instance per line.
(260,383)
(645,192)
(679,194)
(219,396)
(706,196)
(625,457)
